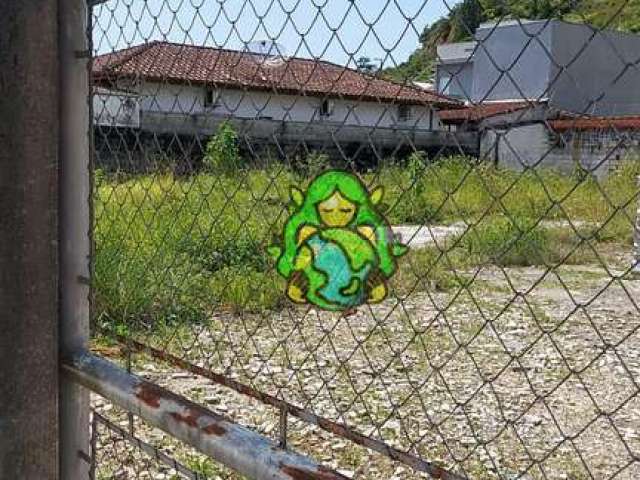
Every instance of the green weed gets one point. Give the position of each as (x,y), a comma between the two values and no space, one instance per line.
(174,249)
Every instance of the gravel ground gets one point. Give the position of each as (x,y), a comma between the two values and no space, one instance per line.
(526,374)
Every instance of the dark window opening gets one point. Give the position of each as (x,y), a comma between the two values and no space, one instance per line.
(211,98)
(404,113)
(325,108)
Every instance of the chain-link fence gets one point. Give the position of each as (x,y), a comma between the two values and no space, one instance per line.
(505,343)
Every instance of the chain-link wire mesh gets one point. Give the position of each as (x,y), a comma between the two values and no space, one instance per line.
(117,453)
(506,136)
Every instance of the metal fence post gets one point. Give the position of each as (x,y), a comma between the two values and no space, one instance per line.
(28,240)
(75,225)
(636,238)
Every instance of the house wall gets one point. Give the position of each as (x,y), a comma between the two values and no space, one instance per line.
(595,79)
(189,100)
(515,147)
(512,61)
(461,83)
(534,145)
(578,68)
(118,110)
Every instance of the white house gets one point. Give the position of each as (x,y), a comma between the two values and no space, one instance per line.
(116,108)
(190,90)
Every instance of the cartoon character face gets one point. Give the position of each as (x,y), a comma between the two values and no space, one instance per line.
(336,211)
(338,250)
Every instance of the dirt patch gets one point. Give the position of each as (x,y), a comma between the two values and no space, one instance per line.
(526,373)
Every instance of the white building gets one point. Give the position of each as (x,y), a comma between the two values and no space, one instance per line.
(190,90)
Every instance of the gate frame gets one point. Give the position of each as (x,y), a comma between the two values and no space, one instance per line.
(75,228)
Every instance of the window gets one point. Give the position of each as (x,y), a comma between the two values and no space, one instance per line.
(211,98)
(326,108)
(404,113)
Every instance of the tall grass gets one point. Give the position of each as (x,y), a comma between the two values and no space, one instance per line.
(178,248)
(459,188)
(169,247)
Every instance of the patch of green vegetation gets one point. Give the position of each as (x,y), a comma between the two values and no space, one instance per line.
(205,467)
(428,269)
(222,153)
(504,241)
(461,188)
(173,249)
(170,248)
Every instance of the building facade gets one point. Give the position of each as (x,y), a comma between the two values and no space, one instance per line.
(573,67)
(546,93)
(297,104)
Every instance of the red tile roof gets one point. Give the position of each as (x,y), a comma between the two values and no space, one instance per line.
(177,63)
(484,110)
(596,123)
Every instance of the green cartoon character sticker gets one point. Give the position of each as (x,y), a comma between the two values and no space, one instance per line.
(338,250)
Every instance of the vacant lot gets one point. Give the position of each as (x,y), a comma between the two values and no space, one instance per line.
(509,348)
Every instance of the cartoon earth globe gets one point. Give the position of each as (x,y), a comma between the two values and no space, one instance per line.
(341,263)
(337,249)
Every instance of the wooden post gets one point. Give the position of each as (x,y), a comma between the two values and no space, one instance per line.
(29,240)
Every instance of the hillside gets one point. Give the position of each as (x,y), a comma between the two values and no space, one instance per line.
(465,17)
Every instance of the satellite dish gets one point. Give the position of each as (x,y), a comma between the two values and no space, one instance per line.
(267,52)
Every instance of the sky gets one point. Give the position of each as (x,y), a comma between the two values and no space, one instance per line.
(340,31)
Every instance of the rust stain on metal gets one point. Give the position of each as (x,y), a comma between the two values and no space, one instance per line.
(214,429)
(439,472)
(149,394)
(311,418)
(190,417)
(298,473)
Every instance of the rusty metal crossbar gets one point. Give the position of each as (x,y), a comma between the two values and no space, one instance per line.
(226,442)
(143,446)
(325,424)
(505,346)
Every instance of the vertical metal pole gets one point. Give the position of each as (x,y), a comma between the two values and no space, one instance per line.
(94,444)
(75,224)
(636,237)
(28,240)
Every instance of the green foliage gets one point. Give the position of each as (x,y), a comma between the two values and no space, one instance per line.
(99,176)
(222,153)
(461,188)
(425,269)
(176,249)
(419,67)
(312,164)
(612,14)
(506,241)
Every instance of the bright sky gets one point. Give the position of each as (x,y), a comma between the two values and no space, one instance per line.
(335,30)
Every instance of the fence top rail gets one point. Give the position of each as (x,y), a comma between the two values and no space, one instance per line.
(232,445)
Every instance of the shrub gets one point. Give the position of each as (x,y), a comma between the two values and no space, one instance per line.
(174,249)
(312,164)
(504,241)
(222,154)
(425,269)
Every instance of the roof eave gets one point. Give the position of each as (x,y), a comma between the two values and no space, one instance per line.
(107,78)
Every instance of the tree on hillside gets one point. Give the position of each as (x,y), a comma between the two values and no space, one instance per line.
(366,64)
